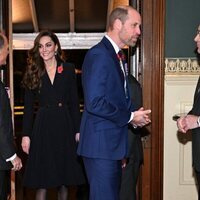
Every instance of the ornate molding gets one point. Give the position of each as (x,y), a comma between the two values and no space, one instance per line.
(181,66)
(67,40)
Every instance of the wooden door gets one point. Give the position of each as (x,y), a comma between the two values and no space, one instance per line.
(152,80)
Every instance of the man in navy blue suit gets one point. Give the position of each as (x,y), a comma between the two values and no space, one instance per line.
(107,106)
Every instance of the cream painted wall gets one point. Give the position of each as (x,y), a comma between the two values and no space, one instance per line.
(179,183)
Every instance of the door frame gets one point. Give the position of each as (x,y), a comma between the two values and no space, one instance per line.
(152,57)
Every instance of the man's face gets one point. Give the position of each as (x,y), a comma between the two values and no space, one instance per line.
(197,39)
(130,30)
(4,52)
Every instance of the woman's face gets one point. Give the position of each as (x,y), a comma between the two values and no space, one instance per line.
(47,48)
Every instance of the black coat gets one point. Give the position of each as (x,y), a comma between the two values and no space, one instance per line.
(196,132)
(52,159)
(7,148)
(135,150)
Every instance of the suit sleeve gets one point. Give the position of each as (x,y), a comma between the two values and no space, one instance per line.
(7,148)
(135,92)
(97,70)
(195,109)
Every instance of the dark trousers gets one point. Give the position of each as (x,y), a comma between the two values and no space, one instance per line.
(3,185)
(198,182)
(129,180)
(103,177)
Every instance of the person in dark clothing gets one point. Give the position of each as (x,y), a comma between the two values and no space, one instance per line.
(134,160)
(8,157)
(51,139)
(192,122)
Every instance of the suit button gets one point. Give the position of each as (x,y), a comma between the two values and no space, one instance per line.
(60,104)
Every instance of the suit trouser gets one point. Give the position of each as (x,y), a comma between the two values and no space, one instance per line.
(3,185)
(198,182)
(129,180)
(103,177)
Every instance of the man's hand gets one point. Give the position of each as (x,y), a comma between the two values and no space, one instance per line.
(17,164)
(77,137)
(141,117)
(124,162)
(181,124)
(187,122)
(26,144)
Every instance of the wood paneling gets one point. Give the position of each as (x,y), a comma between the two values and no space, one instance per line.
(153,12)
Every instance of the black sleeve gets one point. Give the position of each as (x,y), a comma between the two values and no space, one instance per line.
(74,100)
(135,92)
(7,148)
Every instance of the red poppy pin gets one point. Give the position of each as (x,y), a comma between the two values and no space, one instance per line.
(60,69)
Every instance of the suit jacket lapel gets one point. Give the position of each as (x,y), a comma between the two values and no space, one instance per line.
(197,91)
(196,109)
(113,55)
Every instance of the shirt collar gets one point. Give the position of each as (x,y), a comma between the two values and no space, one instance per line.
(117,49)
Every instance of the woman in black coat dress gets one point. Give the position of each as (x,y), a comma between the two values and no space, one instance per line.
(50,140)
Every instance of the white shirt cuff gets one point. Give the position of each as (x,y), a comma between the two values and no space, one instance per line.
(11,158)
(131,118)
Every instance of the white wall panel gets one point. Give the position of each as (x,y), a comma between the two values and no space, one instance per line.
(179,183)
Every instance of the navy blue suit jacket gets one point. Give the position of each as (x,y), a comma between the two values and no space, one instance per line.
(104,125)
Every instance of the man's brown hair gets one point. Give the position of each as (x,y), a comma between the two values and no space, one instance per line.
(120,13)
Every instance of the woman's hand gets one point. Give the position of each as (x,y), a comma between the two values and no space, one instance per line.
(26,144)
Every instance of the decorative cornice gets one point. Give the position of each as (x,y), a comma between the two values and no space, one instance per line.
(181,66)
(67,40)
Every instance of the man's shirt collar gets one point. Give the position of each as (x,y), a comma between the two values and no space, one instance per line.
(113,44)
